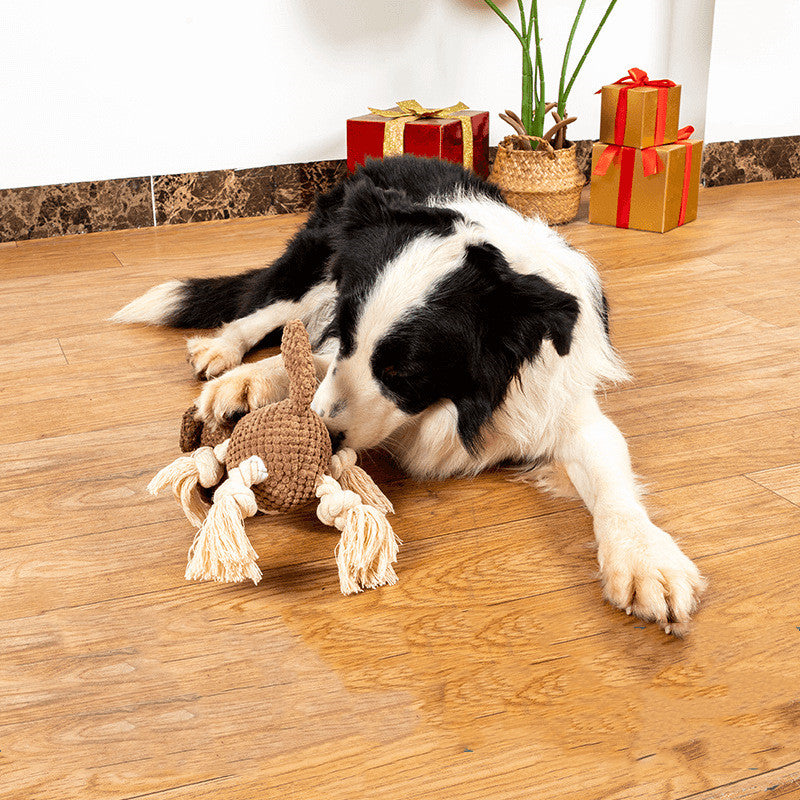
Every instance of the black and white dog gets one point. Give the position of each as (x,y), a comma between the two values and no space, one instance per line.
(452,331)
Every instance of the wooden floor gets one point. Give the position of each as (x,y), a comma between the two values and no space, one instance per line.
(492,670)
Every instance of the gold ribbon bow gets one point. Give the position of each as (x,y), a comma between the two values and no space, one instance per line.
(410,110)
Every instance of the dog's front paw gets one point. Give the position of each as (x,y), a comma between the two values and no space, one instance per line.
(235,393)
(645,573)
(210,356)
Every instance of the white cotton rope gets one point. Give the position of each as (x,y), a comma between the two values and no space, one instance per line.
(204,466)
(221,550)
(368,546)
(334,502)
(344,469)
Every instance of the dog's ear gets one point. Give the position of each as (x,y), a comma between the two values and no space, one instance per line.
(528,307)
(516,313)
(367,205)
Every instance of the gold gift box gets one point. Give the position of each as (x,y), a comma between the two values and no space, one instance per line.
(655,200)
(642,111)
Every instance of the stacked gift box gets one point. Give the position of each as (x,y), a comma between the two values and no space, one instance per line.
(455,133)
(645,171)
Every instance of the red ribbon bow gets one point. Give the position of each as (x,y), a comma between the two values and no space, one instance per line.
(638,77)
(635,79)
(625,157)
(614,154)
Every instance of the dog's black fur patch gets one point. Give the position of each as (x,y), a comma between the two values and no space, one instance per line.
(375,224)
(210,302)
(603,311)
(471,338)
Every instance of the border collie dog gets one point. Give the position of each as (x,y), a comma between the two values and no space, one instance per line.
(455,333)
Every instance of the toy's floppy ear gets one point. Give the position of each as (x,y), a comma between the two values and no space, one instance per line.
(299,362)
(191,430)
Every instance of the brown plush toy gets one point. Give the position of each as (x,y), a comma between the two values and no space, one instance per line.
(276,458)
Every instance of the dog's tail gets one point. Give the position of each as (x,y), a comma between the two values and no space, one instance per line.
(191,303)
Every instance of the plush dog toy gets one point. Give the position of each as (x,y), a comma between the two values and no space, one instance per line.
(276,458)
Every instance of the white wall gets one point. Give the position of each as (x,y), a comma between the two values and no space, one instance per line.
(96,89)
(753,88)
(687,56)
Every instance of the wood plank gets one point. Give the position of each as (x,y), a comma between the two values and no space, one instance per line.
(422,663)
(780,310)
(43,380)
(722,449)
(23,356)
(689,283)
(101,342)
(707,398)
(114,451)
(682,325)
(58,416)
(492,669)
(784,481)
(722,356)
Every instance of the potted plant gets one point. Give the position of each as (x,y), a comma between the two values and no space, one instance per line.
(537,169)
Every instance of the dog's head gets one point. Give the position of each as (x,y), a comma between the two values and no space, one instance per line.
(427,311)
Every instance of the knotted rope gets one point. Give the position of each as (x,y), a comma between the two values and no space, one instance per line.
(205,466)
(368,545)
(344,469)
(221,550)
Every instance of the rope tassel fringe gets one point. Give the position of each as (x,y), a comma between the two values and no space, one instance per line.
(368,546)
(204,467)
(221,550)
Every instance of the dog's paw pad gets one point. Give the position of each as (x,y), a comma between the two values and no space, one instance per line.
(234,394)
(647,575)
(212,356)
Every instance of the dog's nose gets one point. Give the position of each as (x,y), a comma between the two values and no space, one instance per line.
(337,439)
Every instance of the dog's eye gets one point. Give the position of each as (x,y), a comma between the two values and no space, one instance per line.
(393,373)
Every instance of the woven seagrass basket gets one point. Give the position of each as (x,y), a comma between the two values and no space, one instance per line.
(539,183)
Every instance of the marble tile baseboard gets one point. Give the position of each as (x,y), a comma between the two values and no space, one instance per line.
(42,211)
(262,191)
(751,160)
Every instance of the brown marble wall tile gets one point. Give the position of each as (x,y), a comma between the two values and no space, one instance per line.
(222,194)
(193,197)
(296,185)
(751,160)
(261,191)
(41,211)
(583,152)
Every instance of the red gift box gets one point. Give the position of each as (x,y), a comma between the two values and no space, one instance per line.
(411,128)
